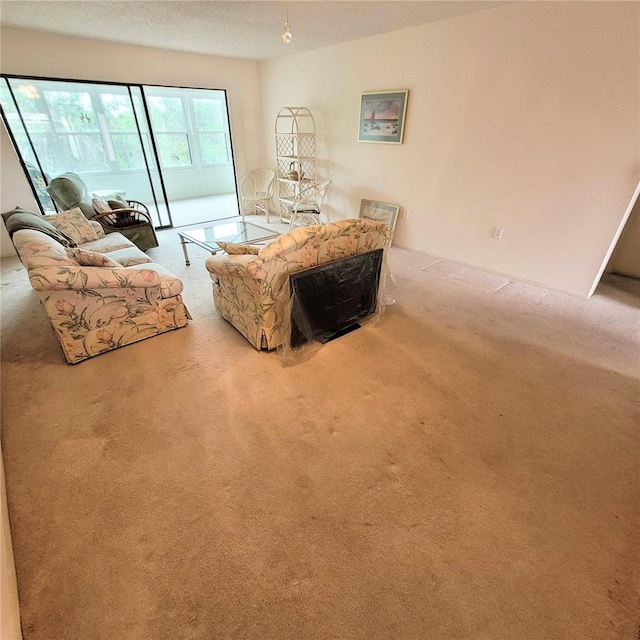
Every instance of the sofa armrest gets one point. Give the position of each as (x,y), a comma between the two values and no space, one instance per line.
(72,277)
(245,266)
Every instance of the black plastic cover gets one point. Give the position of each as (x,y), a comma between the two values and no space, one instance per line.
(329,300)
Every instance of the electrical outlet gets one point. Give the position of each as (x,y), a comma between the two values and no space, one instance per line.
(405,214)
(497,233)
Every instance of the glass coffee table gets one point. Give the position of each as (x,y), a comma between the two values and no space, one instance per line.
(225,230)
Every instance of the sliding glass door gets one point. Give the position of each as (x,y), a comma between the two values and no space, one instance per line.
(181,166)
(191,130)
(95,130)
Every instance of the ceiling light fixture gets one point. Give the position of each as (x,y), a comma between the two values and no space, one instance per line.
(286,34)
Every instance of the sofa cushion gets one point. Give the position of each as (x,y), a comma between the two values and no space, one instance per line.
(74,224)
(92,258)
(101,205)
(170,285)
(130,256)
(37,250)
(234,249)
(19,219)
(110,242)
(116,202)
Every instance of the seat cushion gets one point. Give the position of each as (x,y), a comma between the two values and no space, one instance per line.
(110,242)
(170,285)
(129,256)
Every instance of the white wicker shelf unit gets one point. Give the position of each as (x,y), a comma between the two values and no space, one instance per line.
(295,154)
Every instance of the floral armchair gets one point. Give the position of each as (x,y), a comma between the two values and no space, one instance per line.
(251,290)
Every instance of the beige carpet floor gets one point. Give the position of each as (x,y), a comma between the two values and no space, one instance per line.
(466,469)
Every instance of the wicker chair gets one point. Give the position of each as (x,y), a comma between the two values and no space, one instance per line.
(257,191)
(129,220)
(128,217)
(307,205)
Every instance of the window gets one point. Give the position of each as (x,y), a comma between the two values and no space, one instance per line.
(76,127)
(114,136)
(87,129)
(170,128)
(211,129)
(38,124)
(123,131)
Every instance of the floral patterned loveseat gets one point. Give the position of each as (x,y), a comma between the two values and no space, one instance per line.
(103,293)
(251,284)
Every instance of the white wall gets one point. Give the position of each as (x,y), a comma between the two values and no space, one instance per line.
(14,189)
(524,117)
(26,52)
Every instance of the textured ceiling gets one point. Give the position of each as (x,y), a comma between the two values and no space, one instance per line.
(238,29)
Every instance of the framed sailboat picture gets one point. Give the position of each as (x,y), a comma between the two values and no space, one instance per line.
(382,116)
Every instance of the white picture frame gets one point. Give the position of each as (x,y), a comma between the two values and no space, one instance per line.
(382,211)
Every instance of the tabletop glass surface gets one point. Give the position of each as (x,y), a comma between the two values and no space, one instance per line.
(231,230)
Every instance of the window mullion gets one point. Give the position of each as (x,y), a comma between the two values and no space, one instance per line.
(192,132)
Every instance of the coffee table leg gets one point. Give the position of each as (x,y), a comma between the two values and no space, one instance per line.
(184,250)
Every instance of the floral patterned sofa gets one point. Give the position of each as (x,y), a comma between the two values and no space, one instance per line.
(250,284)
(102,293)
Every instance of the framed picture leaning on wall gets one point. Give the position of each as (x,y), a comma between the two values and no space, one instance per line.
(382,116)
(380,211)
